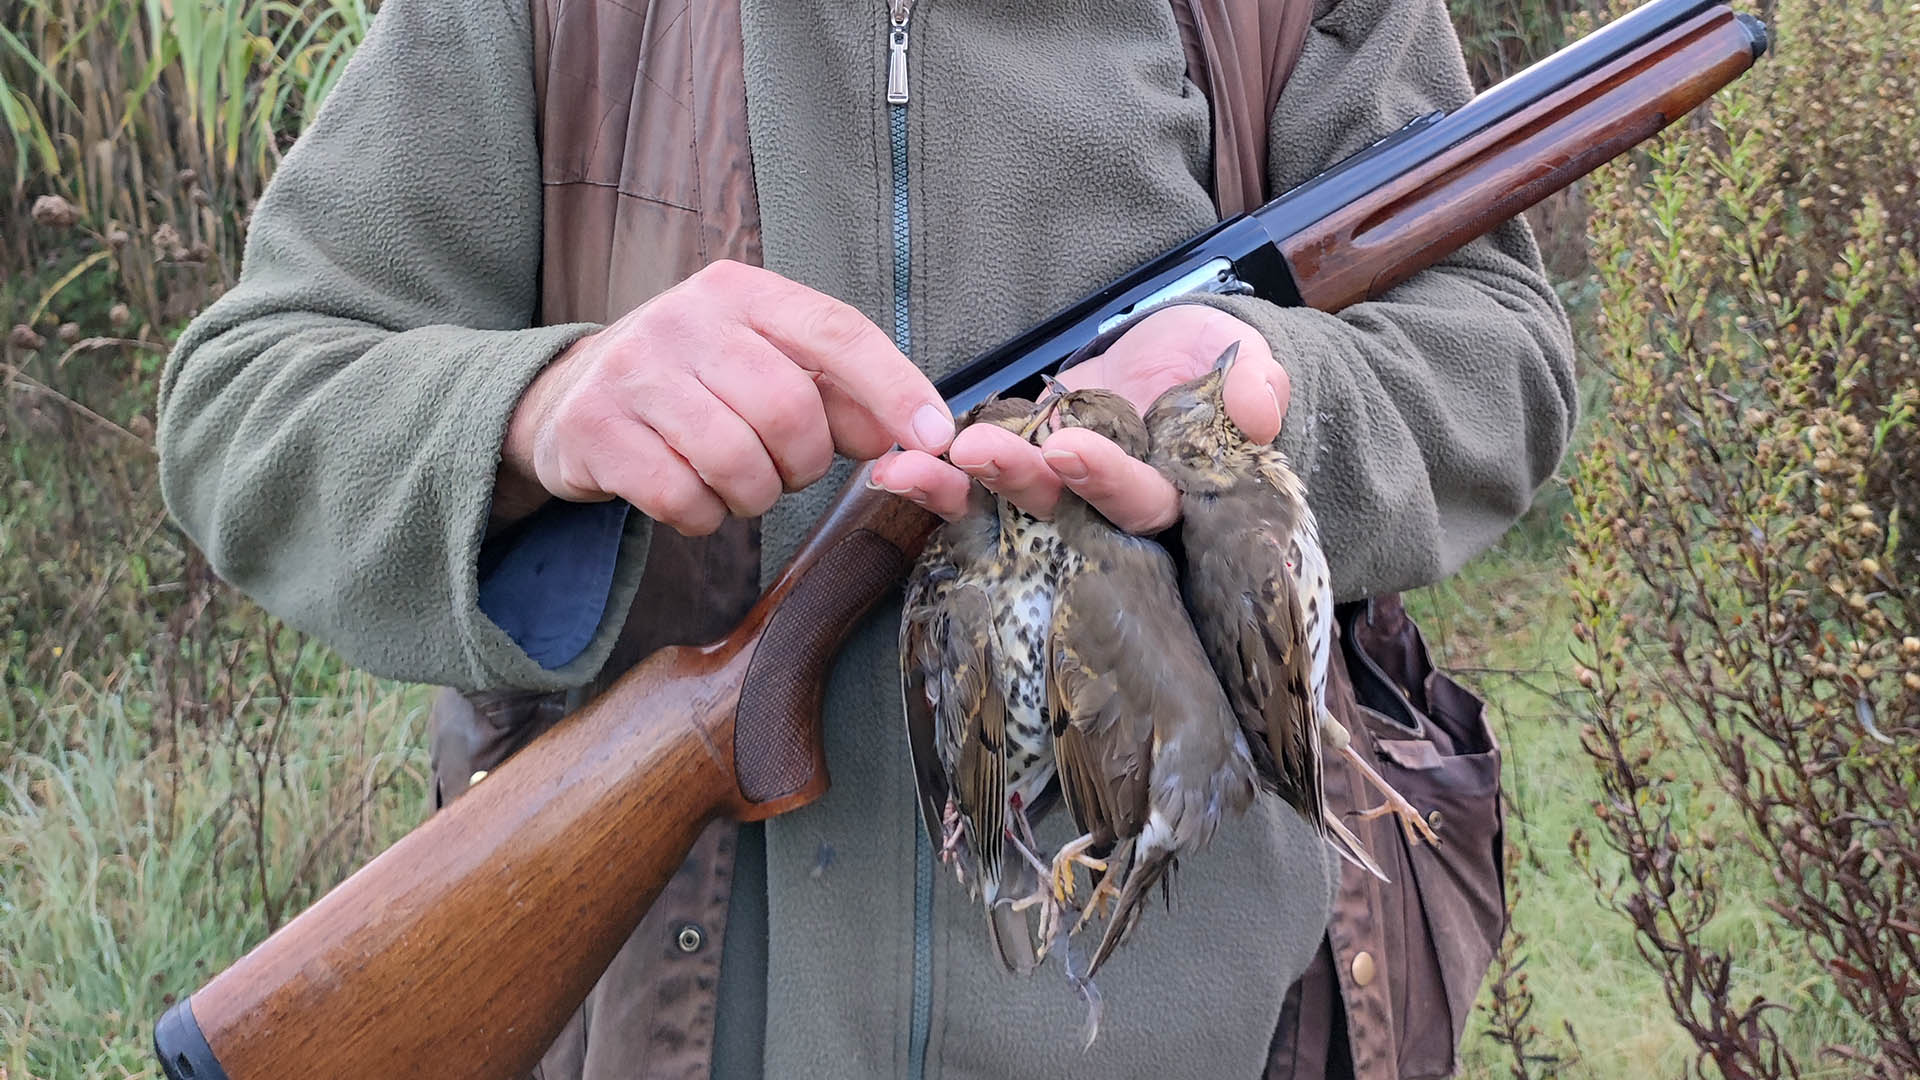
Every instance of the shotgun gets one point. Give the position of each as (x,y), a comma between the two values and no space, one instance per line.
(506,906)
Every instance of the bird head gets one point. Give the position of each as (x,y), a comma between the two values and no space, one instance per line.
(1194,413)
(1102,412)
(1009,413)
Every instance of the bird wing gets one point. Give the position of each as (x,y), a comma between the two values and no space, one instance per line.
(956,713)
(1102,739)
(1246,602)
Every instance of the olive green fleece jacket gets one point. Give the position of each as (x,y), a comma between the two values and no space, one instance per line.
(330,431)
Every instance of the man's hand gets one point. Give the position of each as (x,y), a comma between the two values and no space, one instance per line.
(713,398)
(1163,350)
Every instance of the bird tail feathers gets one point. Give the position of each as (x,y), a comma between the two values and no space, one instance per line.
(1012,935)
(1141,874)
(1349,845)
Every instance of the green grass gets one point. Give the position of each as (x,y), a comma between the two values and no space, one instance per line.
(129,872)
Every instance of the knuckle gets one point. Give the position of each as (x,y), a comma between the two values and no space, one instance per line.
(725,276)
(801,441)
(678,501)
(809,467)
(676,318)
(704,519)
(729,463)
(672,404)
(789,420)
(760,502)
(836,326)
(578,426)
(758,493)
(573,477)
(743,474)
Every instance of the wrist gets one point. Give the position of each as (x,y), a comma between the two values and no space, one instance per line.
(518,490)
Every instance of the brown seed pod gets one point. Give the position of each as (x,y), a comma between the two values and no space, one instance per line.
(54,212)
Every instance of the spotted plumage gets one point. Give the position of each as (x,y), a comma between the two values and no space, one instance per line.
(1022,577)
(973,678)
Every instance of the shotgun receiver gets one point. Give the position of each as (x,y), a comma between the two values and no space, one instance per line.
(509,903)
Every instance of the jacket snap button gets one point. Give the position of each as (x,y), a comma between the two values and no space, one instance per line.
(1363,968)
(690,938)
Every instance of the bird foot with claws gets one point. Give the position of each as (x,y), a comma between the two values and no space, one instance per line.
(1105,895)
(1074,852)
(1042,896)
(1410,817)
(952,832)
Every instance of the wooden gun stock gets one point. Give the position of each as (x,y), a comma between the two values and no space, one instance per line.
(462,950)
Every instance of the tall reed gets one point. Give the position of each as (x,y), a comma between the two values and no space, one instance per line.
(155,125)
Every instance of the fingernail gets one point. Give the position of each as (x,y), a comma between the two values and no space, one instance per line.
(1279,414)
(875,485)
(1066,463)
(986,470)
(933,426)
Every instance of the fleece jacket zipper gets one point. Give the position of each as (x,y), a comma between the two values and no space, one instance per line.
(921,1018)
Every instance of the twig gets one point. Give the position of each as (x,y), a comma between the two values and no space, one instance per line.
(14,374)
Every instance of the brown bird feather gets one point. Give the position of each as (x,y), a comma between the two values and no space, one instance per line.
(1259,590)
(1150,757)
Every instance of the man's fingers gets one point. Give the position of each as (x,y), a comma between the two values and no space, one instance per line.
(924,479)
(780,403)
(638,466)
(724,451)
(843,346)
(1009,466)
(855,432)
(1258,391)
(1129,492)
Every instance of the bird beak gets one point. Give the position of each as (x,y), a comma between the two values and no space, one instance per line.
(1226,358)
(1044,410)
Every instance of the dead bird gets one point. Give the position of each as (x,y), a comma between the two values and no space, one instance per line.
(1257,585)
(1149,755)
(979,603)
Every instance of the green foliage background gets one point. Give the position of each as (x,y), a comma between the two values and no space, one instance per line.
(179,773)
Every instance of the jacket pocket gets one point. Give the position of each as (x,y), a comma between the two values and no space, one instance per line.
(471,733)
(1434,746)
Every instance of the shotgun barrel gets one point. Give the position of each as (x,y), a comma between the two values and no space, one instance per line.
(463,949)
(1413,198)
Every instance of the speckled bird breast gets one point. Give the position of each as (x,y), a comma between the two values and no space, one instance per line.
(1027,574)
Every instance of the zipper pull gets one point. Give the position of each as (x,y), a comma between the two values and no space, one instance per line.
(897,53)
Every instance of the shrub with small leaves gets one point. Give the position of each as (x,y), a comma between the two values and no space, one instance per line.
(1744,560)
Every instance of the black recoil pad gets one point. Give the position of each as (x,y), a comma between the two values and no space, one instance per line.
(183,1051)
(1756,33)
